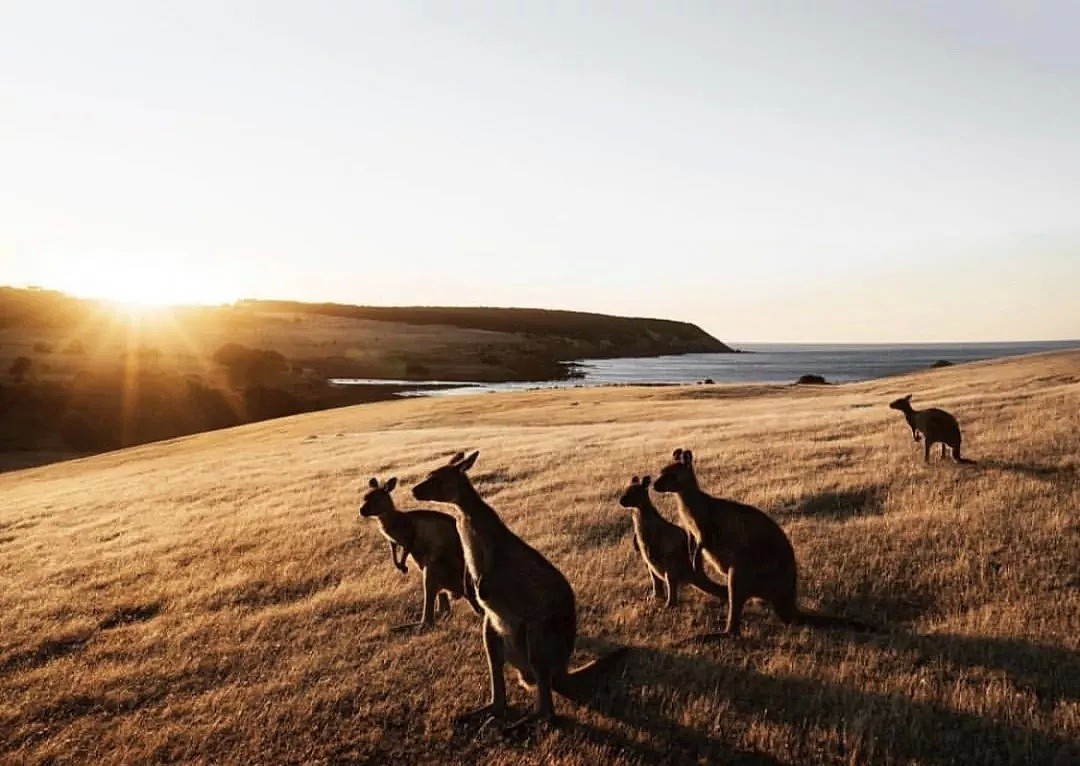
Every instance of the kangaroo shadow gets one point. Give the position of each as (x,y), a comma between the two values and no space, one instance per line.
(1034,470)
(1050,673)
(660,740)
(891,727)
(674,744)
(881,605)
(838,504)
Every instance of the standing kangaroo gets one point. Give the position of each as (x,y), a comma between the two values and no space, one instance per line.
(530,617)
(665,547)
(745,544)
(431,538)
(933,426)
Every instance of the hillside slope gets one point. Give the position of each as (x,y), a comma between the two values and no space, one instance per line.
(597,335)
(216,599)
(335,340)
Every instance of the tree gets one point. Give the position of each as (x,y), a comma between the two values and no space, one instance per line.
(248,367)
(19,368)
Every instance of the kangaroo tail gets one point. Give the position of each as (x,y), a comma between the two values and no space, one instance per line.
(815,620)
(581,683)
(966,460)
(704,584)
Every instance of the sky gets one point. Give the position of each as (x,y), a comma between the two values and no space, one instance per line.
(769,170)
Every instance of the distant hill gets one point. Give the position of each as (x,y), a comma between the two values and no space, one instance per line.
(77,376)
(607,335)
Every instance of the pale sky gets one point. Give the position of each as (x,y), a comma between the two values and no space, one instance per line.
(772,171)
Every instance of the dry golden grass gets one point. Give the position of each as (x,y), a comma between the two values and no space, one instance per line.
(216,599)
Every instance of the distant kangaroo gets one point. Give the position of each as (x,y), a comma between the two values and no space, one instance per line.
(933,426)
(745,544)
(530,617)
(431,538)
(665,547)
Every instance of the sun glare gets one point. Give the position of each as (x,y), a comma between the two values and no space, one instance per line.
(143,290)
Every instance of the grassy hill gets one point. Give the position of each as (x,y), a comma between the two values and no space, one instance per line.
(95,376)
(215,598)
(416,343)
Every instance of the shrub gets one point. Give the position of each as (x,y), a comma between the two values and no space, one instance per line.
(249,367)
(43,347)
(78,434)
(19,368)
(211,404)
(812,380)
(261,403)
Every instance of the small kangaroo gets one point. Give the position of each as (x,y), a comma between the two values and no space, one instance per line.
(743,543)
(664,547)
(431,538)
(530,616)
(932,426)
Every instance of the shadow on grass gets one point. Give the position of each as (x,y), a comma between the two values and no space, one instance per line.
(1033,470)
(838,504)
(1051,673)
(671,744)
(45,652)
(605,532)
(831,722)
(129,615)
(654,738)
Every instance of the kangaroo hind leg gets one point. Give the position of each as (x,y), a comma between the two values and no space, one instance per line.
(496,658)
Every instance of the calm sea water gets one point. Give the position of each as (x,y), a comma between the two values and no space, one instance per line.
(770,363)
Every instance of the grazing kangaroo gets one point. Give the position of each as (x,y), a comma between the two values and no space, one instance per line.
(665,547)
(530,617)
(431,538)
(746,545)
(932,426)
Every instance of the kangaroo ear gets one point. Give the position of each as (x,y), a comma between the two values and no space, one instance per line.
(467,463)
(687,457)
(373,483)
(456,458)
(390,484)
(634,479)
(677,454)
(907,398)
(646,482)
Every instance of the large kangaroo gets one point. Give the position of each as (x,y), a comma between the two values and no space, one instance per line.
(933,426)
(745,544)
(664,547)
(530,617)
(431,538)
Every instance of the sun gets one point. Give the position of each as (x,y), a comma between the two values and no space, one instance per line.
(147,287)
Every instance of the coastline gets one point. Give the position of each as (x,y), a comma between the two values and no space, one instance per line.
(767,364)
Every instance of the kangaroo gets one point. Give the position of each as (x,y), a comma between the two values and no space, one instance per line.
(745,544)
(431,538)
(530,616)
(664,547)
(932,426)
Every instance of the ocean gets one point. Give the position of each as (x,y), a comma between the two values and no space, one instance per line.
(766,363)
